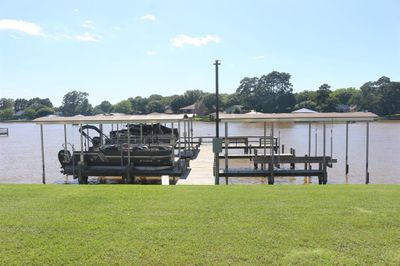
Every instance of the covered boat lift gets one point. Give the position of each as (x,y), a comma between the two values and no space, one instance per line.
(184,123)
(273,159)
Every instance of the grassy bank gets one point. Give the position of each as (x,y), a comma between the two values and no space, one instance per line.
(118,224)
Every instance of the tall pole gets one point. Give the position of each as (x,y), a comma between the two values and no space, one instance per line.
(42,147)
(366,155)
(347,148)
(216,64)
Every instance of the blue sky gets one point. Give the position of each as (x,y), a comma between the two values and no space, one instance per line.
(118,49)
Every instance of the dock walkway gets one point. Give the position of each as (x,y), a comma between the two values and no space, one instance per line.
(201,170)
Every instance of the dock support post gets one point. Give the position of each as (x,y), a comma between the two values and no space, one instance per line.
(347,148)
(101,135)
(272,147)
(309,143)
(65,143)
(128,169)
(226,146)
(141,134)
(279,149)
(173,143)
(325,178)
(191,132)
(366,156)
(184,134)
(81,162)
(316,141)
(43,163)
(265,144)
(179,139)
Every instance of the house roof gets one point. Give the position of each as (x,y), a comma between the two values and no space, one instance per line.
(304,110)
(189,107)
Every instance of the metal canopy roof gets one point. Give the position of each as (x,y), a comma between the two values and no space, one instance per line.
(112,119)
(300,117)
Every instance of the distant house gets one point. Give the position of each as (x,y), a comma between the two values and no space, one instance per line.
(19,115)
(304,110)
(195,109)
(168,110)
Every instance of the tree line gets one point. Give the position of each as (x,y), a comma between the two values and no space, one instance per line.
(271,93)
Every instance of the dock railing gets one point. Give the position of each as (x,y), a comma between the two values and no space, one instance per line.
(4,132)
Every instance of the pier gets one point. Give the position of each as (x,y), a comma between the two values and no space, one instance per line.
(4,132)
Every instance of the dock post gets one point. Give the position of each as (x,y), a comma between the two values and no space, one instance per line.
(309,142)
(141,133)
(184,134)
(81,162)
(226,146)
(316,141)
(255,155)
(128,169)
(272,147)
(179,139)
(325,178)
(173,143)
(279,149)
(265,145)
(101,135)
(65,143)
(366,156)
(191,131)
(283,148)
(347,148)
(43,163)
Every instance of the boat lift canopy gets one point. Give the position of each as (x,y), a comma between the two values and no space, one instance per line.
(306,117)
(300,117)
(112,119)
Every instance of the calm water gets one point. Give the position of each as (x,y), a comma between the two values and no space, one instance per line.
(20,160)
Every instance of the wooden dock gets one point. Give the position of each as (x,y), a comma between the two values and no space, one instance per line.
(201,168)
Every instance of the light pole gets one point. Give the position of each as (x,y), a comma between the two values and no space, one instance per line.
(216,64)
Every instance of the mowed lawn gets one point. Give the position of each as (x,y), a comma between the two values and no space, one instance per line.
(128,224)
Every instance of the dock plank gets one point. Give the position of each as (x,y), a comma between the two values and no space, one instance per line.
(201,169)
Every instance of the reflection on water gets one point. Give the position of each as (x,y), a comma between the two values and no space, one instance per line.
(20,160)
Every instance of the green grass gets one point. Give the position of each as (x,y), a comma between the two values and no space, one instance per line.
(121,224)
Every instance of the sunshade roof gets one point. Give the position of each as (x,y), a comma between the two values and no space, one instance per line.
(112,118)
(299,117)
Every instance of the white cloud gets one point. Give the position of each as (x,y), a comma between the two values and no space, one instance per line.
(117,28)
(20,25)
(76,10)
(258,57)
(183,40)
(151,53)
(88,37)
(88,24)
(148,17)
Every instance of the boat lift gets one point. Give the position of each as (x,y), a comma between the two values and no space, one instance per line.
(185,145)
(272,160)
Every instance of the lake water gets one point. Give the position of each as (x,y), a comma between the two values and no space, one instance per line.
(20,157)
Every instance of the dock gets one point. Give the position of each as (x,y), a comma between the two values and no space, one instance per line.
(201,169)
(4,132)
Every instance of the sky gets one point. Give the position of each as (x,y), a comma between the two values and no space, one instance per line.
(114,50)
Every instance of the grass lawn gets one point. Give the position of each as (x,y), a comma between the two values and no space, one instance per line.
(126,224)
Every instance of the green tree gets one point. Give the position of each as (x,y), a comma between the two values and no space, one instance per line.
(76,102)
(138,104)
(30,113)
(124,107)
(6,114)
(20,104)
(6,103)
(177,103)
(105,107)
(45,110)
(155,106)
